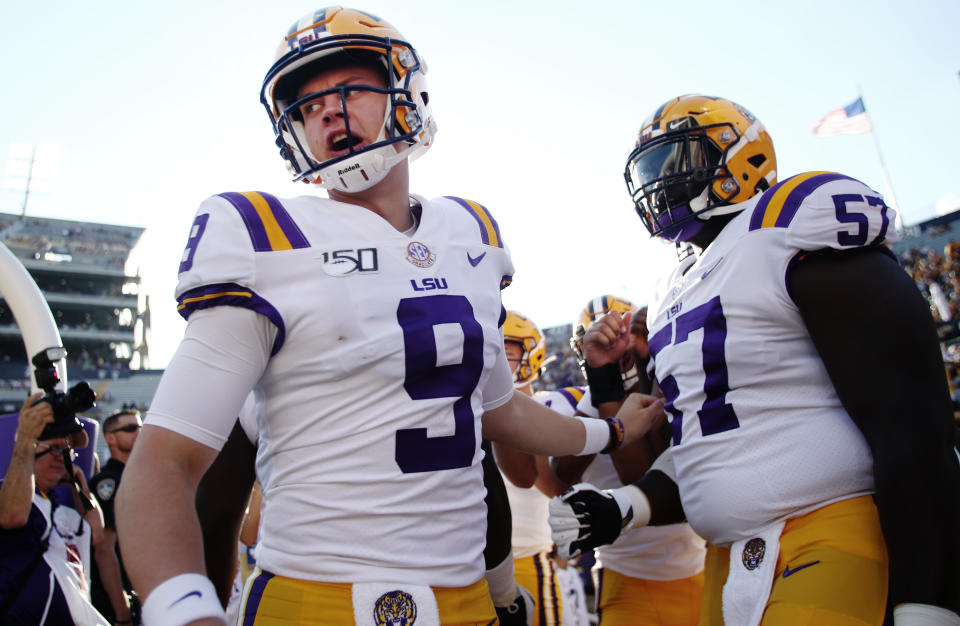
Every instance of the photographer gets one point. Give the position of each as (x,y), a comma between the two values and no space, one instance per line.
(38,536)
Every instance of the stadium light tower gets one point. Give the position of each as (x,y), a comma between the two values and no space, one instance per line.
(31,168)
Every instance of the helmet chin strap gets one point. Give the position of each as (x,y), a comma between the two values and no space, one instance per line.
(722,209)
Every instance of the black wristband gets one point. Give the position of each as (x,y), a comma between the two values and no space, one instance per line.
(606,384)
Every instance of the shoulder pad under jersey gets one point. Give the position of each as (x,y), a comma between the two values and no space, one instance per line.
(218,264)
(488,230)
(568,398)
(825,210)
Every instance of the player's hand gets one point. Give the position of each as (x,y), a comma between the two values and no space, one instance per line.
(584,517)
(640,414)
(520,612)
(608,339)
(33,418)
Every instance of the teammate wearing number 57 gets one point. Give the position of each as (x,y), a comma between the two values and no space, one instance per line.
(369,323)
(811,419)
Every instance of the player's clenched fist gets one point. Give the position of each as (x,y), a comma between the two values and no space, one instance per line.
(607,339)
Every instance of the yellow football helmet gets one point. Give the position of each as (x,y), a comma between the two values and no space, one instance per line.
(522,331)
(694,158)
(594,309)
(336,36)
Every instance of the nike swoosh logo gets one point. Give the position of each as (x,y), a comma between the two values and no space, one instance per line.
(192,593)
(790,572)
(707,273)
(475,261)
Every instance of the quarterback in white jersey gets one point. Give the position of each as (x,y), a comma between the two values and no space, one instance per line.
(369,322)
(802,374)
(393,322)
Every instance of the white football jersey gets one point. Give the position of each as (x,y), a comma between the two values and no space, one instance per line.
(668,552)
(388,349)
(759,434)
(530,508)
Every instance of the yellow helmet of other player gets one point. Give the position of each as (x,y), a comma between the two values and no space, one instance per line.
(696,157)
(594,309)
(522,331)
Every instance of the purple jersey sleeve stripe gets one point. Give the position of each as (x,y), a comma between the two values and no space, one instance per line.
(505,282)
(572,395)
(756,220)
(231,294)
(796,197)
(768,208)
(293,233)
(251,219)
(489,229)
(780,204)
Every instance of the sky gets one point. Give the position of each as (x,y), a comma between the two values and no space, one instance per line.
(150,108)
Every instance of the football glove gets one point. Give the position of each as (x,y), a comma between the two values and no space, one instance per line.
(520,612)
(584,517)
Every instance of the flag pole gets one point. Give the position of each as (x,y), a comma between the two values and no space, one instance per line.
(891,198)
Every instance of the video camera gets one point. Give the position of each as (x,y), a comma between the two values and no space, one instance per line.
(79,398)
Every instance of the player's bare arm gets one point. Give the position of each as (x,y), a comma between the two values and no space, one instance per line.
(166,550)
(524,424)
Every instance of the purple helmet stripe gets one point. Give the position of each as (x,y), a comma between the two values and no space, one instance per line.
(231,294)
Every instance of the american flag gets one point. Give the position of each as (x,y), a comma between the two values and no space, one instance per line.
(849,120)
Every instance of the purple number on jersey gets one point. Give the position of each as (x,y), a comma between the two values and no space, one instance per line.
(716,414)
(862,221)
(196,231)
(425,380)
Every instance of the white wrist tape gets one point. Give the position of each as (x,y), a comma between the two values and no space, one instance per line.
(503,587)
(628,497)
(598,435)
(181,600)
(924,615)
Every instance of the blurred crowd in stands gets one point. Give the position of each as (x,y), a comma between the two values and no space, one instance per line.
(937,274)
(98,244)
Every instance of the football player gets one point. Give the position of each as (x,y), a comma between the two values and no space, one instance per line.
(530,481)
(651,575)
(804,385)
(369,322)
